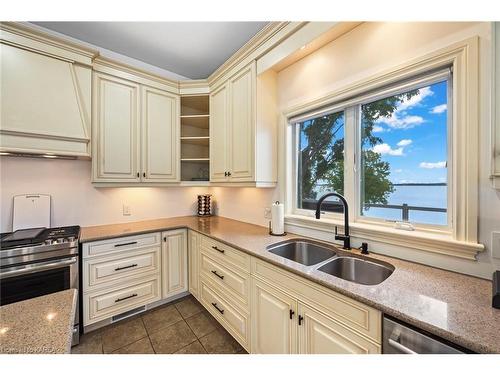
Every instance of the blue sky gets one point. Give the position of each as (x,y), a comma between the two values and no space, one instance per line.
(415,137)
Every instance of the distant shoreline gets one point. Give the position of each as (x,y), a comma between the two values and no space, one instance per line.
(421,184)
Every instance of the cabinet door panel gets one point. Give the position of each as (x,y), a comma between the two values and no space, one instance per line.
(319,334)
(219,133)
(160,136)
(174,262)
(116,152)
(194,262)
(273,332)
(242,135)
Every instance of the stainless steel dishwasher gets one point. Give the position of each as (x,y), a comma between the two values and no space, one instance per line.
(402,339)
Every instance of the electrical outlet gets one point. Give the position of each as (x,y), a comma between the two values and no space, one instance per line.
(495,245)
(267,212)
(126,210)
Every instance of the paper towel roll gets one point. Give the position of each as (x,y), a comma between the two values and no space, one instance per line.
(278,218)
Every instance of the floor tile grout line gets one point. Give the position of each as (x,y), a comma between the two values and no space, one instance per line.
(121,347)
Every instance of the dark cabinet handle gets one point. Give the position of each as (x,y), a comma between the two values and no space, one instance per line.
(229,174)
(126,243)
(124,268)
(291,314)
(219,250)
(218,308)
(216,274)
(124,298)
(225,174)
(138,175)
(164,239)
(301,318)
(144,174)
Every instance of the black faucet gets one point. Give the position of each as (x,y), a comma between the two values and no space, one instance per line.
(345,237)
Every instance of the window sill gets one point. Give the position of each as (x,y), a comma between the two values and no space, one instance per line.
(434,242)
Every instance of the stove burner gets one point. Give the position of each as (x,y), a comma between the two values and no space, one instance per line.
(41,237)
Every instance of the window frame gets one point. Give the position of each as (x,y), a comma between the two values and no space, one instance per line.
(463,57)
(424,80)
(352,149)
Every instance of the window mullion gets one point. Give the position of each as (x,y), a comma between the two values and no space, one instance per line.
(349,160)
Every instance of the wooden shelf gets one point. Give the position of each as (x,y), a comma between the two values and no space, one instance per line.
(196,159)
(196,121)
(195,105)
(198,141)
(195,116)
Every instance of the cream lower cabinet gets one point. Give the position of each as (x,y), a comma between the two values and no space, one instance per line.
(274,327)
(174,262)
(320,334)
(194,262)
(293,315)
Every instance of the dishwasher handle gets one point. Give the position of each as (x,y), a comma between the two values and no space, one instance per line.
(398,346)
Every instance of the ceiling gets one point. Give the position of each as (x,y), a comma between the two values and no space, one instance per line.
(191,49)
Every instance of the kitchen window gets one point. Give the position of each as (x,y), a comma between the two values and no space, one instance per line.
(401,146)
(401,137)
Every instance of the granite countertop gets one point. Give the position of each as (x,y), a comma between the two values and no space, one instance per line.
(453,306)
(41,325)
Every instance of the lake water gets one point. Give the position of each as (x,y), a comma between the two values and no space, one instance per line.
(422,196)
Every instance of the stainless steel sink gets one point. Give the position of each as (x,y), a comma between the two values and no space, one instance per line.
(302,251)
(357,270)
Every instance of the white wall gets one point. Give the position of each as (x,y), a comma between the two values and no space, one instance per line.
(76,201)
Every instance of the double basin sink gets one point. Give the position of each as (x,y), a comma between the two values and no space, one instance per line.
(332,261)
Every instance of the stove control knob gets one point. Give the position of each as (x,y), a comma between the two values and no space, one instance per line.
(71,239)
(60,240)
(48,242)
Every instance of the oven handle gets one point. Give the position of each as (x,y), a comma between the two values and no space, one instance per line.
(36,267)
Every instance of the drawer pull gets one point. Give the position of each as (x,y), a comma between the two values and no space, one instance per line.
(291,314)
(124,298)
(125,244)
(218,308)
(216,274)
(219,250)
(301,318)
(124,268)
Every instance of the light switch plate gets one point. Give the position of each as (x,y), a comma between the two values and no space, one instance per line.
(126,210)
(495,245)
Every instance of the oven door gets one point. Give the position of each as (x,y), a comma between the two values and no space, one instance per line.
(37,279)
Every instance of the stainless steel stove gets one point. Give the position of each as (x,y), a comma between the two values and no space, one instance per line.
(39,261)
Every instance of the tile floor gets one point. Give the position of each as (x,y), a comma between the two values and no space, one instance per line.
(180,327)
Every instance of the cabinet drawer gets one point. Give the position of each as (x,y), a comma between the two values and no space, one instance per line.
(105,304)
(356,315)
(117,268)
(226,254)
(235,281)
(236,322)
(115,245)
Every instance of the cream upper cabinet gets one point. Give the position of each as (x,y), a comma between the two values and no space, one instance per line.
(219,128)
(174,263)
(495,166)
(243,120)
(45,99)
(136,127)
(116,129)
(160,135)
(274,320)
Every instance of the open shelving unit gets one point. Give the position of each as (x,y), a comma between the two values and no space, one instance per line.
(195,138)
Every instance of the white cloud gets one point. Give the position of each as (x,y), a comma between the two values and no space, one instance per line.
(405,122)
(437,165)
(404,142)
(385,149)
(377,129)
(398,171)
(416,99)
(399,119)
(439,108)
